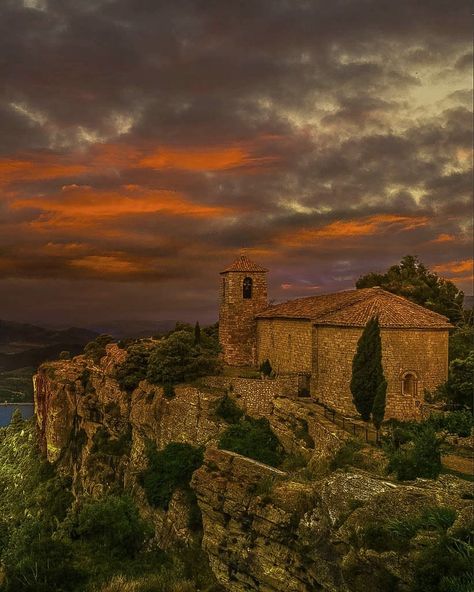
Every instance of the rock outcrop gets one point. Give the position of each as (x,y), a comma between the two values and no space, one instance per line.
(263,529)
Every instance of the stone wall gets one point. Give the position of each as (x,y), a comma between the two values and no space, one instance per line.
(255,396)
(237,325)
(286,343)
(422,352)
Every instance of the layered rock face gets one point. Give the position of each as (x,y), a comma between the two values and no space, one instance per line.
(264,531)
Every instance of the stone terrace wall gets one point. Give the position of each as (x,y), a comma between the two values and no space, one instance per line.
(423,352)
(255,396)
(286,343)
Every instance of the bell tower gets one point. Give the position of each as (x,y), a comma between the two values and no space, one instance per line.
(243,294)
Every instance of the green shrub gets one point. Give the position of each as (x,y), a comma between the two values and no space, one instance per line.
(34,562)
(456,422)
(345,455)
(178,359)
(420,456)
(134,368)
(111,525)
(95,350)
(168,391)
(255,439)
(266,368)
(228,410)
(168,470)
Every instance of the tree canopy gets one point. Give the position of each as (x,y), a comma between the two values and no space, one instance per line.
(411,279)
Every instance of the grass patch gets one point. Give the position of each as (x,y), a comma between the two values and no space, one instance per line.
(255,439)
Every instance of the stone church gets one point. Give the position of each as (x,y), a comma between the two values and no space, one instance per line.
(315,338)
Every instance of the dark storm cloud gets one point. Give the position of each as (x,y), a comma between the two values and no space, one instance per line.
(144,142)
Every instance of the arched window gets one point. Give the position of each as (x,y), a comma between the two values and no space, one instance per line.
(247,288)
(409,384)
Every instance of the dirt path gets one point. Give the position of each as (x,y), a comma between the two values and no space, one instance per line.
(460,464)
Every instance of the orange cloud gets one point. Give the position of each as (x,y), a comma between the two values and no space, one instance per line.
(103,157)
(84,202)
(353,228)
(444,238)
(455,267)
(110,265)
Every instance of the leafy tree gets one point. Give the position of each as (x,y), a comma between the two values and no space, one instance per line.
(35,562)
(134,368)
(177,359)
(253,438)
(111,524)
(368,381)
(414,451)
(461,342)
(95,350)
(168,470)
(411,279)
(459,387)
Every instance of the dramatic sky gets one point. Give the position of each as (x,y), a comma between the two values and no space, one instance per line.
(143,143)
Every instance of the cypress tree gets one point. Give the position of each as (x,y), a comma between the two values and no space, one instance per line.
(197,333)
(378,409)
(368,382)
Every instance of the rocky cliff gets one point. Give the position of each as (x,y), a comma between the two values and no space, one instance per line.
(265,529)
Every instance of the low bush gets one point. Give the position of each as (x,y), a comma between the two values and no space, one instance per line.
(253,438)
(228,410)
(345,456)
(455,422)
(414,452)
(111,525)
(266,368)
(168,470)
(95,350)
(134,368)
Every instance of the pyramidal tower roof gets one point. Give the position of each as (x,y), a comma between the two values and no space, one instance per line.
(243,264)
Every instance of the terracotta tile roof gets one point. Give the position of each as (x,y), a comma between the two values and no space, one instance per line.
(243,263)
(354,308)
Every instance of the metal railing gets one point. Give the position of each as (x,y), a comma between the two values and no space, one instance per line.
(363,432)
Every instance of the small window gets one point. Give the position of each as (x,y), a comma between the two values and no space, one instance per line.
(409,384)
(247,288)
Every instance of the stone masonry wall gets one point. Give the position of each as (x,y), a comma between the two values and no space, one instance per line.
(237,325)
(286,343)
(423,352)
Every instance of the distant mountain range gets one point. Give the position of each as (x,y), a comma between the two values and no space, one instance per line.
(23,345)
(133,328)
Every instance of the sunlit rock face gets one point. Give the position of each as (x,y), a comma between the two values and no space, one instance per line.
(263,529)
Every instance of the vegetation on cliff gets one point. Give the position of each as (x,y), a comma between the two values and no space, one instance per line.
(50,540)
(183,355)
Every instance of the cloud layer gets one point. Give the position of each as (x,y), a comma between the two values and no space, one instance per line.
(145,142)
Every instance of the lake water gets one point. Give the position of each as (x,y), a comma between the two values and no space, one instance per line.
(6,412)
